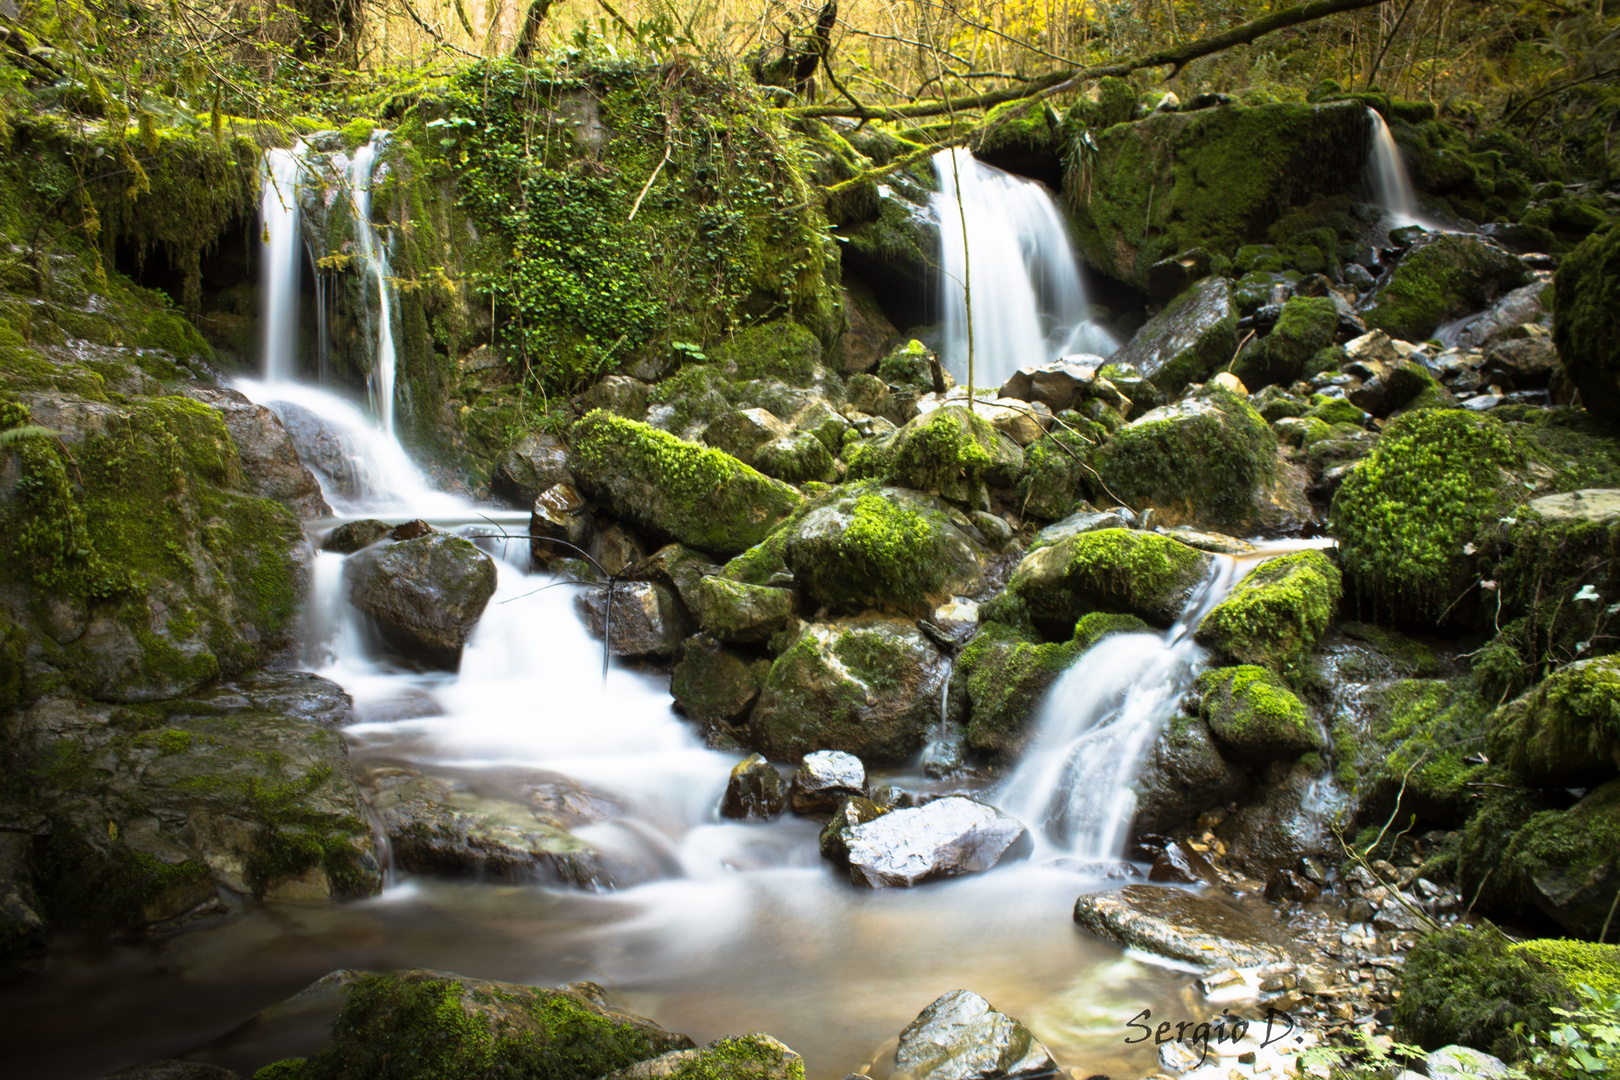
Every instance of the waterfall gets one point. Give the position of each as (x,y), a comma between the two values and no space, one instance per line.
(1029,305)
(373,255)
(1074,786)
(1387,176)
(283,254)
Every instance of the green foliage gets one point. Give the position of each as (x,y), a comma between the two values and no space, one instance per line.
(1586,296)
(1584,1043)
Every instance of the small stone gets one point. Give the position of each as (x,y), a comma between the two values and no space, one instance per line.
(755,790)
(825,778)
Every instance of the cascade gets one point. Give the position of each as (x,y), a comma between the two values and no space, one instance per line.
(283,238)
(1387,176)
(1029,304)
(373,255)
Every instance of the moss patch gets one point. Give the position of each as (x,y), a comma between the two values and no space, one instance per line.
(1469,986)
(1116,570)
(1253,713)
(1276,613)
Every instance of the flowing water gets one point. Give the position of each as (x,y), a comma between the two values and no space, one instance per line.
(283,258)
(1386,174)
(1004,242)
(373,256)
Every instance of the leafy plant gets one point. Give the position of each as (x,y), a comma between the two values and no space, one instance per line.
(1585,1045)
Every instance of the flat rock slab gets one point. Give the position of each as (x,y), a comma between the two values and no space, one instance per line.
(1180,925)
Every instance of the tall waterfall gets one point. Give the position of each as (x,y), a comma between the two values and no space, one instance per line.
(283,258)
(1004,242)
(1386,174)
(374,257)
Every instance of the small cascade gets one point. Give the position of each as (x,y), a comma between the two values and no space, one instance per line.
(373,257)
(1387,176)
(283,257)
(1074,786)
(1029,305)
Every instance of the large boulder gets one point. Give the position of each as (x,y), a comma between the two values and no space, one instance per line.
(270,463)
(1212,178)
(868,686)
(949,452)
(1451,275)
(1275,615)
(1207,931)
(948,837)
(962,1037)
(425,595)
(742,432)
(1254,714)
(422,1025)
(1116,570)
(675,489)
(1209,459)
(536,462)
(1586,295)
(1565,732)
(1194,336)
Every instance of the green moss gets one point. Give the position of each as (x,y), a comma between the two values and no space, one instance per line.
(1306,325)
(1275,615)
(100,884)
(950,452)
(1096,625)
(908,365)
(1331,410)
(1566,731)
(1055,470)
(285,1069)
(1004,676)
(1250,710)
(1420,749)
(1118,570)
(776,350)
(1469,986)
(1578,963)
(1451,275)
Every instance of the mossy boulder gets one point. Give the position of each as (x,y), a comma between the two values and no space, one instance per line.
(1449,276)
(1055,473)
(1113,570)
(425,595)
(796,458)
(1565,732)
(1469,986)
(1307,325)
(675,489)
(1578,963)
(1211,178)
(949,452)
(868,686)
(747,1057)
(425,1025)
(1275,615)
(782,350)
(1254,714)
(911,364)
(735,611)
(714,685)
(1001,677)
(1194,336)
(1209,459)
(1412,748)
(1586,297)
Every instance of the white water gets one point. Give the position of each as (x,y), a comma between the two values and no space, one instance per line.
(1386,173)
(374,260)
(283,258)
(1015,259)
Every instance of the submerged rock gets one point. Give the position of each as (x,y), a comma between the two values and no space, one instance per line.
(962,1037)
(948,837)
(1178,925)
(826,778)
(754,790)
(425,595)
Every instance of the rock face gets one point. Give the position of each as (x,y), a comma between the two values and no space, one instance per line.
(437,1024)
(426,595)
(1275,615)
(674,489)
(1586,292)
(826,778)
(755,790)
(1566,731)
(1179,925)
(1192,337)
(961,1037)
(1116,570)
(269,460)
(645,620)
(948,837)
(535,462)
(1451,275)
(868,686)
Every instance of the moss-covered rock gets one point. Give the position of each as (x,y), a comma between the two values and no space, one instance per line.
(1182,775)
(1307,325)
(675,489)
(1412,748)
(1566,731)
(1275,615)
(1056,467)
(747,1057)
(780,350)
(1450,276)
(868,686)
(1578,963)
(1111,570)
(949,452)
(1001,676)
(1209,459)
(714,685)
(426,1025)
(1254,714)
(1194,336)
(1586,297)
(911,364)
(737,611)
(796,459)
(1212,178)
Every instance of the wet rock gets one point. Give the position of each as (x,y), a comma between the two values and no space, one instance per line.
(1214,542)
(868,686)
(1182,775)
(1288,885)
(644,619)
(1305,326)
(755,790)
(1516,311)
(1179,864)
(1276,614)
(410,530)
(1081,521)
(1204,930)
(1193,336)
(677,568)
(736,612)
(570,1033)
(351,536)
(23,932)
(1056,384)
(425,595)
(173,1069)
(536,462)
(741,433)
(673,489)
(747,1057)
(948,837)
(714,685)
(559,514)
(826,778)
(961,1037)
(1116,570)
(1289,821)
(1586,294)
(1523,364)
(851,811)
(270,461)
(617,549)
(1450,275)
